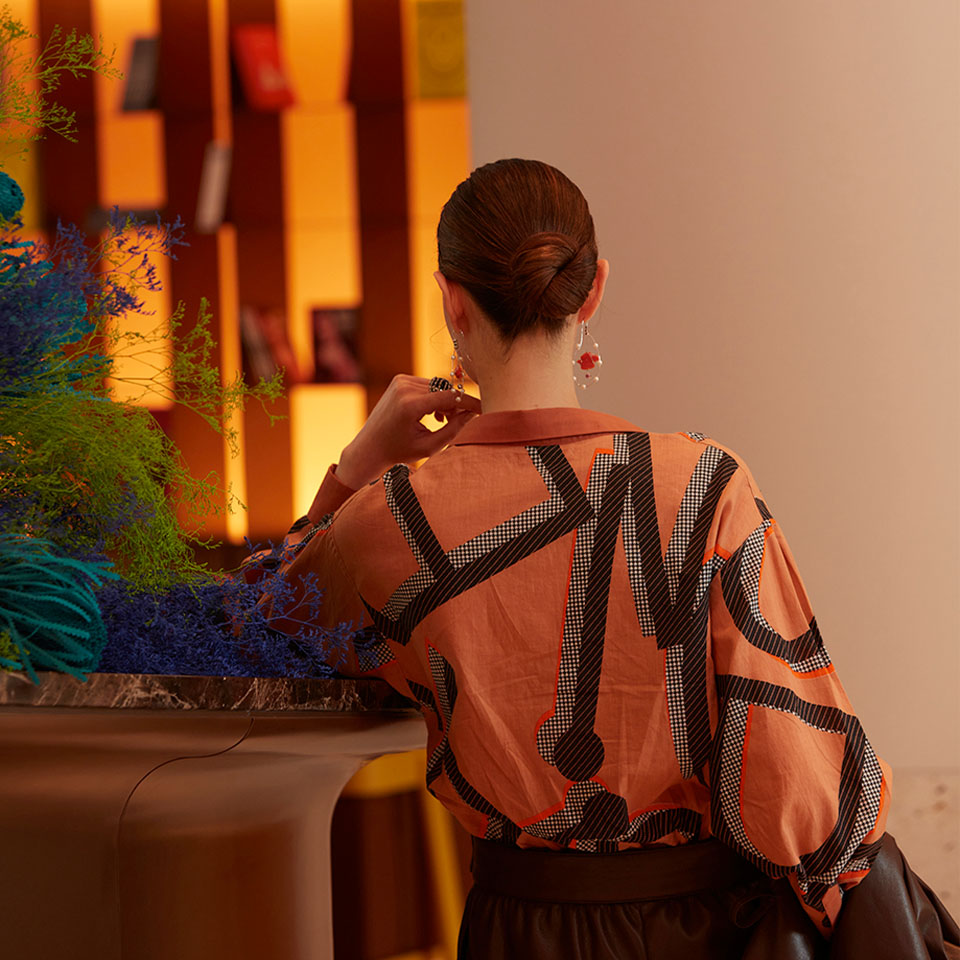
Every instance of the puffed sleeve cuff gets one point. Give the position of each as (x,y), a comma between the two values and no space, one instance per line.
(333,493)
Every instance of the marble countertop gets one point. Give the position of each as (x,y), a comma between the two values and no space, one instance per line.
(131,691)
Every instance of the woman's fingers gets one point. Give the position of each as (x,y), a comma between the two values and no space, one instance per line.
(393,432)
(436,440)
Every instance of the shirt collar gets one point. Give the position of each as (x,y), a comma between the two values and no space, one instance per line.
(530,426)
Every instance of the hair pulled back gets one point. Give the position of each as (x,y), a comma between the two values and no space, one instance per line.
(518,236)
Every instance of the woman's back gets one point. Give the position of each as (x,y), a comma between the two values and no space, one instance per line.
(598,622)
(604,628)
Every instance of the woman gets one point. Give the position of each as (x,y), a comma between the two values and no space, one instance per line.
(628,701)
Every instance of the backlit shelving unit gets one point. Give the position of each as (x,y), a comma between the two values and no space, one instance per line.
(332,202)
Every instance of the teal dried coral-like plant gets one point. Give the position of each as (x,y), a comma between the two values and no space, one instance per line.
(49,616)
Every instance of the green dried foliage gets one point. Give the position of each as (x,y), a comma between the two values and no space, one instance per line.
(29,80)
(101,478)
(94,476)
(192,368)
(9,653)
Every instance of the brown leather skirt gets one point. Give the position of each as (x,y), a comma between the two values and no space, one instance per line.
(686,903)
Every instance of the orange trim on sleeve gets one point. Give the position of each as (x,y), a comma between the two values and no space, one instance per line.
(717,551)
(808,674)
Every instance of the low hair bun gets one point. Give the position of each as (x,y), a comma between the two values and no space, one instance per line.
(518,235)
(551,275)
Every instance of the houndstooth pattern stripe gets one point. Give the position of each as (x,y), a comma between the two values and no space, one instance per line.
(389,484)
(654,824)
(450,580)
(707,572)
(686,622)
(410,588)
(512,528)
(732,740)
(584,628)
(373,656)
(444,680)
(751,562)
(635,570)
(568,823)
(646,529)
(687,516)
(740,586)
(569,815)
(425,698)
(477,547)
(678,611)
(673,667)
(443,760)
(408,507)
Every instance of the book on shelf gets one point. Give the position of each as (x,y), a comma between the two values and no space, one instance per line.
(140,92)
(214,184)
(263,332)
(259,67)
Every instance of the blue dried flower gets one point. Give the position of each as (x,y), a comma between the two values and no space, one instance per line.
(219,627)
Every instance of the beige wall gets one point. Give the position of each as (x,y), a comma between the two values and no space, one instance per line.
(776,187)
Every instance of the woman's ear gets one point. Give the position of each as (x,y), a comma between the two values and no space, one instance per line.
(596,291)
(454,307)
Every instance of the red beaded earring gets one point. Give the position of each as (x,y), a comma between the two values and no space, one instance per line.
(586,359)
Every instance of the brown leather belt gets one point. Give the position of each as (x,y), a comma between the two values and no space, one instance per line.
(569,876)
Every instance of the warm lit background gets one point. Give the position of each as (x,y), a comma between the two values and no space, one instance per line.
(330,202)
(778,190)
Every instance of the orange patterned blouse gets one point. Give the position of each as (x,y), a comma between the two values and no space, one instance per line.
(610,643)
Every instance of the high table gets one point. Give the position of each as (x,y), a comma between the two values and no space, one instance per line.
(148,817)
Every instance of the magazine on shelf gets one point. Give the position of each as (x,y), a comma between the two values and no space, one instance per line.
(263,331)
(335,345)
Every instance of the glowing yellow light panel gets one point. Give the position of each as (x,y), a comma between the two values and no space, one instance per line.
(320,204)
(145,355)
(315,39)
(129,143)
(324,418)
(438,158)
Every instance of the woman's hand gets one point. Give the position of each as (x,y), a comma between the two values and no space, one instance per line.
(393,432)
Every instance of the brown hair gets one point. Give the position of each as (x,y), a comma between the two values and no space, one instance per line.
(518,236)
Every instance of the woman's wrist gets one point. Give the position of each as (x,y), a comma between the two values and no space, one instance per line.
(354,470)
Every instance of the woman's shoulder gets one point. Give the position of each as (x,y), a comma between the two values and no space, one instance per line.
(690,448)
(690,463)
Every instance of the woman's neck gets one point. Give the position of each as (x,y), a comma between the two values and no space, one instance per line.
(536,373)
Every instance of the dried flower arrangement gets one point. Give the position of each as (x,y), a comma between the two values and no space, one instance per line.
(95,569)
